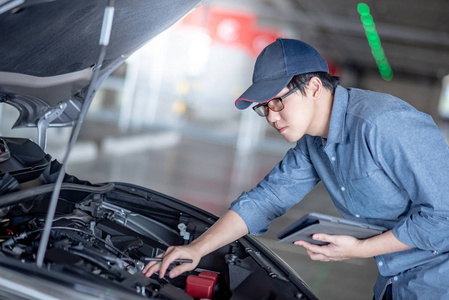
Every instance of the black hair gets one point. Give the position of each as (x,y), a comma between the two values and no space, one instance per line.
(329,81)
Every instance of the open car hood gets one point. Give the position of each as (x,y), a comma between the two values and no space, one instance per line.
(50,50)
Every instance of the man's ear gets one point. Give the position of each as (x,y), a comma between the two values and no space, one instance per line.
(315,87)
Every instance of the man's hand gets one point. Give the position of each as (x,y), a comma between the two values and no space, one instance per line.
(227,229)
(340,247)
(172,253)
(343,247)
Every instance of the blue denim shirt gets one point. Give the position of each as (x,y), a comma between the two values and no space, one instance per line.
(383,163)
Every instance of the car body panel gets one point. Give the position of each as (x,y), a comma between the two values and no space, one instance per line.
(101,233)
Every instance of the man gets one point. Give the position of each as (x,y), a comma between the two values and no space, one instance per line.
(382,162)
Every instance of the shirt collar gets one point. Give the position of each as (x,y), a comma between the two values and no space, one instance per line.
(338,116)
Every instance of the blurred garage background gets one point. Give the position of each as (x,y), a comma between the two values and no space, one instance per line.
(166,118)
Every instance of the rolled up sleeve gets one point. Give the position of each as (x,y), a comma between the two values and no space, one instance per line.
(287,184)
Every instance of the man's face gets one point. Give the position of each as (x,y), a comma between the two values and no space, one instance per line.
(296,118)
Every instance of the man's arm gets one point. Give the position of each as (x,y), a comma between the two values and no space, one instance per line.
(227,229)
(343,247)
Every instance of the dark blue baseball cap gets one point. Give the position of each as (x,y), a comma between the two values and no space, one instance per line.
(275,67)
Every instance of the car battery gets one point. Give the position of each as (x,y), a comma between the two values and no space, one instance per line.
(202,285)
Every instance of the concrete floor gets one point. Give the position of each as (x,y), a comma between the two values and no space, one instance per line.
(211,176)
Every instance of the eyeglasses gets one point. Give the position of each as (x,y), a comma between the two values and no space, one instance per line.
(274,104)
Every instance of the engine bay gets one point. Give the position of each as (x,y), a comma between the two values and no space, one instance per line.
(102,236)
(106,237)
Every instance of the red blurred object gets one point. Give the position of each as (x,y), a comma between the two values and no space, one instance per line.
(210,275)
(261,38)
(230,27)
(234,28)
(333,68)
(195,18)
(201,286)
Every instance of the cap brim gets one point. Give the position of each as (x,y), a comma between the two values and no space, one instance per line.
(262,91)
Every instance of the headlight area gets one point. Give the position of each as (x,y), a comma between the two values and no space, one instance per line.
(101,240)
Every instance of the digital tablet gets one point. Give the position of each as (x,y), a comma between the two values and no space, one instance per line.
(312,223)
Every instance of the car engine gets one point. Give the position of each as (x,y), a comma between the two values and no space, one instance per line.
(102,236)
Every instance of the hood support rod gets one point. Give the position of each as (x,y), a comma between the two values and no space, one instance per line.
(44,123)
(104,42)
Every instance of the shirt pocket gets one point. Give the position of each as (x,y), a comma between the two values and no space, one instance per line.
(376,196)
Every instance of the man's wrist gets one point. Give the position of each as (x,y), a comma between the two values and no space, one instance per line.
(364,249)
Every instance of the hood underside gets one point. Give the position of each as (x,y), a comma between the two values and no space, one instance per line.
(50,48)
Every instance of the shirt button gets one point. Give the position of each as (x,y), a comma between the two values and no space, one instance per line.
(380,264)
(343,188)
(357,216)
(395,278)
(333,158)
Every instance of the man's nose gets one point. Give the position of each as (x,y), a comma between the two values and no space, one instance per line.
(272,116)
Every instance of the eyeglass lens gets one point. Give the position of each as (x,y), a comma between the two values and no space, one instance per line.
(274,104)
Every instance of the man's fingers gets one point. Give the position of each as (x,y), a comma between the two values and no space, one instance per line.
(165,265)
(151,267)
(324,237)
(309,246)
(169,262)
(148,266)
(154,267)
(338,247)
(184,267)
(315,252)
(318,256)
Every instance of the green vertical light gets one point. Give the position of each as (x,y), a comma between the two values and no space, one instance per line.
(363,9)
(374,42)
